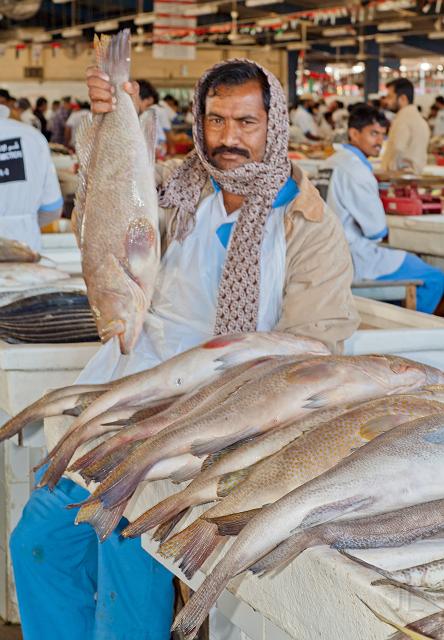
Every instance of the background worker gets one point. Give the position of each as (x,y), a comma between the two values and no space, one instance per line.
(409,135)
(353,195)
(30,194)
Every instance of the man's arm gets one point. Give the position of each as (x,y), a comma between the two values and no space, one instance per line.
(317,298)
(394,157)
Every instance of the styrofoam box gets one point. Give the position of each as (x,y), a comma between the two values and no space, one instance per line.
(420,234)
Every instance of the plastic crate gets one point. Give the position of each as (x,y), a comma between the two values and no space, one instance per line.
(406,201)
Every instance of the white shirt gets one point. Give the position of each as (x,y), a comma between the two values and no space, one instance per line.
(74,121)
(438,129)
(29,118)
(354,196)
(304,120)
(162,117)
(183,310)
(160,133)
(28,181)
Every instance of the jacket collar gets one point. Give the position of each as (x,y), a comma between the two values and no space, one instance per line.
(308,202)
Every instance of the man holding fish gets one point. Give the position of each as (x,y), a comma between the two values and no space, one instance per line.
(247,245)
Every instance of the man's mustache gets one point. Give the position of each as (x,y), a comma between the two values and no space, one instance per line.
(234,150)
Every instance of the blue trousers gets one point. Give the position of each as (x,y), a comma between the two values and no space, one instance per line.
(430,294)
(71,587)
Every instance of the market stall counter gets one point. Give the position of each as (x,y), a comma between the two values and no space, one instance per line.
(318,595)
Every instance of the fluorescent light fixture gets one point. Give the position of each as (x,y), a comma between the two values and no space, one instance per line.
(358,68)
(436,35)
(387,38)
(61,1)
(425,66)
(106,25)
(287,35)
(400,25)
(268,22)
(201,9)
(338,31)
(72,32)
(344,42)
(395,5)
(260,3)
(144,18)
(42,37)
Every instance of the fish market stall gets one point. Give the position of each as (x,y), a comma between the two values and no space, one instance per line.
(318,595)
(423,235)
(62,249)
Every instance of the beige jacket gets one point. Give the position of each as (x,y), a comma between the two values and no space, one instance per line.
(317,298)
(407,142)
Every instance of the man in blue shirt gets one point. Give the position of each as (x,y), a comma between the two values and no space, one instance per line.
(353,195)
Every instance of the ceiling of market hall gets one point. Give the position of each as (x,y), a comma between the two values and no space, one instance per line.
(353,31)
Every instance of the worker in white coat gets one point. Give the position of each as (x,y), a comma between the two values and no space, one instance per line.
(353,195)
(30,195)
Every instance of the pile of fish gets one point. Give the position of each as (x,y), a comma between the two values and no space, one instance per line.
(51,317)
(293,446)
(116,211)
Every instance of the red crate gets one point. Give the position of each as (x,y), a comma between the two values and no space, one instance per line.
(406,201)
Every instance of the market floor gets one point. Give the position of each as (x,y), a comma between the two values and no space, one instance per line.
(10,631)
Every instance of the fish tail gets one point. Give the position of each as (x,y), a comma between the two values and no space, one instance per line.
(160,513)
(58,466)
(120,488)
(193,546)
(193,614)
(283,553)
(163,530)
(232,524)
(113,55)
(95,467)
(103,521)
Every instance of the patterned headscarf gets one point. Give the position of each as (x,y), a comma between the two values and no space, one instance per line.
(258,182)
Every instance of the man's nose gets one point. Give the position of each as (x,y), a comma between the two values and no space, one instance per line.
(230,133)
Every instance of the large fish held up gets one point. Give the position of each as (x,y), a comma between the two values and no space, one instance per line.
(116,215)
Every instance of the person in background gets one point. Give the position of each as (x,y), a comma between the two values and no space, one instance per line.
(4,97)
(339,114)
(325,129)
(41,106)
(26,114)
(438,129)
(59,121)
(409,135)
(30,194)
(73,122)
(353,195)
(149,101)
(303,118)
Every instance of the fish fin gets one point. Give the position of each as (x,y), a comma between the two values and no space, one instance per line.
(85,141)
(229,481)
(164,530)
(149,130)
(200,448)
(414,635)
(232,524)
(333,510)
(212,458)
(160,513)
(120,487)
(376,426)
(435,437)
(96,466)
(317,401)
(192,546)
(140,241)
(104,521)
(113,55)
(58,465)
(182,474)
(281,555)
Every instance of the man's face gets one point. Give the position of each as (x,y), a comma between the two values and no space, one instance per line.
(235,125)
(392,100)
(369,140)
